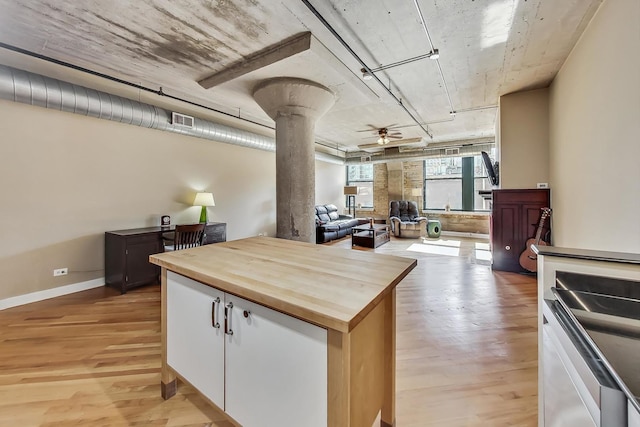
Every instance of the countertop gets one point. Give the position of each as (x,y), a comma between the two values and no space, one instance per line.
(331,287)
(622,257)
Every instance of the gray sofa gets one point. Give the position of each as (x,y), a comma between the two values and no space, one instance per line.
(330,225)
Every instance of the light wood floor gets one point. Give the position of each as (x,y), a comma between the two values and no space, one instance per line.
(466,351)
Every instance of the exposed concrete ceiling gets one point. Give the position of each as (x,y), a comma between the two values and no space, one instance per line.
(487,48)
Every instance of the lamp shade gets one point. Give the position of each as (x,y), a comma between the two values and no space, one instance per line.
(204,199)
(350,190)
(416,192)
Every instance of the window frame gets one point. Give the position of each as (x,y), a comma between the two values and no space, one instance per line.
(356,182)
(463,179)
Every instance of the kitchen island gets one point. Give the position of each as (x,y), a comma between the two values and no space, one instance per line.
(282,333)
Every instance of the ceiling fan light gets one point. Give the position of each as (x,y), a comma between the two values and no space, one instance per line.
(365,74)
(434,54)
(381,141)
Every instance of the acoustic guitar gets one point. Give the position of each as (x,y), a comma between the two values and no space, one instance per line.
(528,259)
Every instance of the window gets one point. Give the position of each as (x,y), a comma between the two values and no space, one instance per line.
(454,182)
(362,177)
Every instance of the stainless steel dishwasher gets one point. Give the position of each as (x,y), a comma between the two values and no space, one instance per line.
(589,321)
(579,391)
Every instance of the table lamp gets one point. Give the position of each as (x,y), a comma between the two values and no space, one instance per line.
(204,200)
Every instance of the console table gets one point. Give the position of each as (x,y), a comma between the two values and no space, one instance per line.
(282,333)
(126,253)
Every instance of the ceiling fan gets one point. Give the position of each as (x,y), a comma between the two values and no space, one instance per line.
(384,136)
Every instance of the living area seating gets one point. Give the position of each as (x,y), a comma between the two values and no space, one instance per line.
(330,225)
(405,219)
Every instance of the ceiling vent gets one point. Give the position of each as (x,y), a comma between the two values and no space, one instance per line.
(181,120)
(451,151)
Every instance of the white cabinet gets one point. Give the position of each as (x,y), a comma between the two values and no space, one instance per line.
(195,347)
(260,366)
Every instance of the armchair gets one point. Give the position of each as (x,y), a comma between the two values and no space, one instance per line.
(405,219)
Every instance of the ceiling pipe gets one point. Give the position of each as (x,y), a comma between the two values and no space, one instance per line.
(452,111)
(364,66)
(34,89)
(158,92)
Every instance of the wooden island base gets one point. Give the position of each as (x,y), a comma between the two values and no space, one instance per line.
(349,304)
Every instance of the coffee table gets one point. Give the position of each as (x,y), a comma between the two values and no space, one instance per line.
(370,236)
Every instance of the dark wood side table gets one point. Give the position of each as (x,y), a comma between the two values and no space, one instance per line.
(126,253)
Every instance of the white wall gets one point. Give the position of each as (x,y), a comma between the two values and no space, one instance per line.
(524,139)
(66,179)
(595,135)
(330,180)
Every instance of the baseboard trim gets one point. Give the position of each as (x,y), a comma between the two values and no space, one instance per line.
(50,293)
(463,234)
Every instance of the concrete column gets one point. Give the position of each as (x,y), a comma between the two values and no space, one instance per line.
(295,105)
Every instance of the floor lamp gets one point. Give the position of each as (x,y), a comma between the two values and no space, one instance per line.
(351,191)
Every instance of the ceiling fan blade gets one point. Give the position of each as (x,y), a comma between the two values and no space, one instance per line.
(373,128)
(394,136)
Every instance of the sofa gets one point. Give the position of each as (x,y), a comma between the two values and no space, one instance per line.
(330,225)
(406,220)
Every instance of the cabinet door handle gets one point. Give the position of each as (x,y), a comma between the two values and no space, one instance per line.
(213,313)
(227,319)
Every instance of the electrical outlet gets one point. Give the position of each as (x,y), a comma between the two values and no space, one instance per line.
(61,271)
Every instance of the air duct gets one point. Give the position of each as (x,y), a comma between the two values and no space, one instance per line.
(395,154)
(33,89)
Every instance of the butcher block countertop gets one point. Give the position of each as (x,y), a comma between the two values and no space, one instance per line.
(330,287)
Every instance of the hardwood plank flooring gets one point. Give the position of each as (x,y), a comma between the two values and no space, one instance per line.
(466,350)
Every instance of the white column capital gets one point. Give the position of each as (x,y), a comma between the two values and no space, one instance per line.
(293,96)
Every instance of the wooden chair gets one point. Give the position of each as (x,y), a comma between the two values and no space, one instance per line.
(185,236)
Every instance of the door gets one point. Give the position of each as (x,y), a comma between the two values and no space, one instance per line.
(506,237)
(139,269)
(276,368)
(195,343)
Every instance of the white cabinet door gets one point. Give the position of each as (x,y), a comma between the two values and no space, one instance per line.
(195,347)
(276,368)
